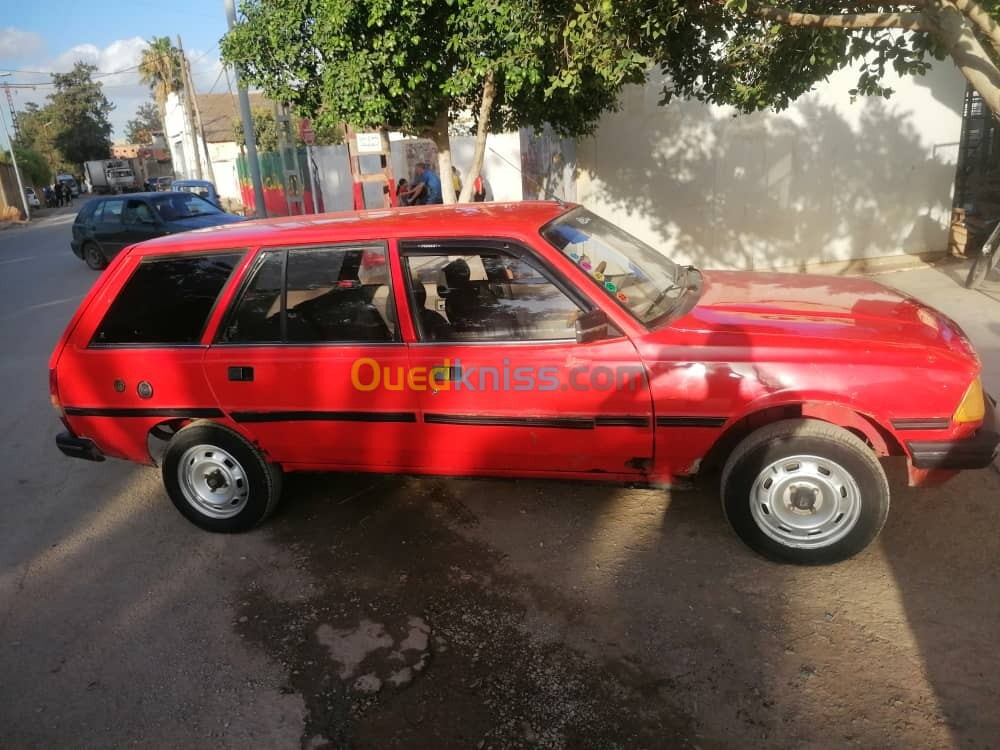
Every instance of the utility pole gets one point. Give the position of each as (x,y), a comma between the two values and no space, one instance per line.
(248,132)
(189,107)
(13,158)
(189,85)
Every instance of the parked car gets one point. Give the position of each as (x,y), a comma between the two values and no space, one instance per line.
(201,188)
(33,202)
(163,183)
(517,340)
(105,226)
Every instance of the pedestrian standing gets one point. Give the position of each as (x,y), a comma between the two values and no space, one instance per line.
(426,186)
(57,189)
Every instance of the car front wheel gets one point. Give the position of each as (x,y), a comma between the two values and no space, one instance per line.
(805,491)
(218,480)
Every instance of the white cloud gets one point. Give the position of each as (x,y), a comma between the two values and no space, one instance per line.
(116,67)
(17,44)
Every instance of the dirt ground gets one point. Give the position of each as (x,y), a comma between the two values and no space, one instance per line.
(592,617)
(384,612)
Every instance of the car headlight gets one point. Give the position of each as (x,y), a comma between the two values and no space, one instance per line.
(972,408)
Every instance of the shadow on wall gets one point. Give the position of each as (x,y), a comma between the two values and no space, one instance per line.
(765,191)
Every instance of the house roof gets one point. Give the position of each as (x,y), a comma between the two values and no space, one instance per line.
(219,110)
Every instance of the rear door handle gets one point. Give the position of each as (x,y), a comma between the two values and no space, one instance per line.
(240,374)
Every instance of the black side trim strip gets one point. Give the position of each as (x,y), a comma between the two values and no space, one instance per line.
(923,423)
(323,416)
(622,421)
(566,423)
(88,411)
(690,421)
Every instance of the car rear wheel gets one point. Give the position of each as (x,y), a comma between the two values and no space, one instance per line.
(805,491)
(94,256)
(218,480)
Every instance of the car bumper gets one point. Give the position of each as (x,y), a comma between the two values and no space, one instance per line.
(976,452)
(78,447)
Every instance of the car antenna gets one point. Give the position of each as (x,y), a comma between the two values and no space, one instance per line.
(548,193)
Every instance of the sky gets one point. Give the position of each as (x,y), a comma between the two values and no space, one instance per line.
(41,36)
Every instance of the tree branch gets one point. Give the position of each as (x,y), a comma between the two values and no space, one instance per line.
(983,21)
(909,21)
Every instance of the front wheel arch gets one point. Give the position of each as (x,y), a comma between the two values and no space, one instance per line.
(881,440)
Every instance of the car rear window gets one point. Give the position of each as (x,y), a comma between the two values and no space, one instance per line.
(167,300)
(86,211)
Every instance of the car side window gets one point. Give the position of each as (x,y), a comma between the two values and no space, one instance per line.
(167,300)
(138,212)
(331,295)
(257,316)
(111,212)
(486,296)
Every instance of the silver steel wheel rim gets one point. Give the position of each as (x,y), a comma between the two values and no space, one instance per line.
(805,502)
(213,482)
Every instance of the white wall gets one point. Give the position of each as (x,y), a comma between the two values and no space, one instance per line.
(827,180)
(500,170)
(184,148)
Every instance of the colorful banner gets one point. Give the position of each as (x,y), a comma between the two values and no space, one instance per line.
(272,177)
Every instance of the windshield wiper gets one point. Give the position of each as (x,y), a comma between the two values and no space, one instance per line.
(680,282)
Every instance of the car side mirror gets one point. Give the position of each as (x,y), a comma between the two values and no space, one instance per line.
(591,326)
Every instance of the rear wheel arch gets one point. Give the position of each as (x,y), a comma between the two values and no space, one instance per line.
(160,434)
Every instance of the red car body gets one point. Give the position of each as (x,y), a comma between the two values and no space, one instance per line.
(850,351)
(749,348)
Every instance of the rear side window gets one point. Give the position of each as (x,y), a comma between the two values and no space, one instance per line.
(167,300)
(86,211)
(335,294)
(111,212)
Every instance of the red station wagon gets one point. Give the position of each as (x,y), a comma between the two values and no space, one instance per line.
(519,340)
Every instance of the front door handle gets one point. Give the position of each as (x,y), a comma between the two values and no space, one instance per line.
(240,374)
(442,374)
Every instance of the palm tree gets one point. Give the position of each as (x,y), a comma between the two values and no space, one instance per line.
(160,69)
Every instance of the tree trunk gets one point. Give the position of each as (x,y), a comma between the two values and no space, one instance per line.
(954,31)
(439,134)
(482,130)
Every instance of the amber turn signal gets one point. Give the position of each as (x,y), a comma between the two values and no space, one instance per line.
(972,407)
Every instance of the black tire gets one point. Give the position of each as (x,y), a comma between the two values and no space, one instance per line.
(94,257)
(262,480)
(852,461)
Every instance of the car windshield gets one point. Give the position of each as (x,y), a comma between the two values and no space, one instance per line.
(199,190)
(183,206)
(635,275)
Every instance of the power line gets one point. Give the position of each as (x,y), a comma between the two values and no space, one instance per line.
(130,69)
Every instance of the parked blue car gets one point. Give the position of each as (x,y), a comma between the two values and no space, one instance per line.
(201,188)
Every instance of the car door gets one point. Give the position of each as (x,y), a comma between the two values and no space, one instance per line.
(109,229)
(285,352)
(140,222)
(510,389)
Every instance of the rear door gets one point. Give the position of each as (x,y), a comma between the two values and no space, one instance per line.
(139,222)
(521,396)
(287,353)
(109,229)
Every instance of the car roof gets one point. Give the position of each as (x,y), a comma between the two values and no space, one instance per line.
(521,219)
(147,194)
(192,182)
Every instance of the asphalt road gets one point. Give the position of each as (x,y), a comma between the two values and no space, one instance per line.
(391,612)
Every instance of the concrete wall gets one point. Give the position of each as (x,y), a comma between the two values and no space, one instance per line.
(829,179)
